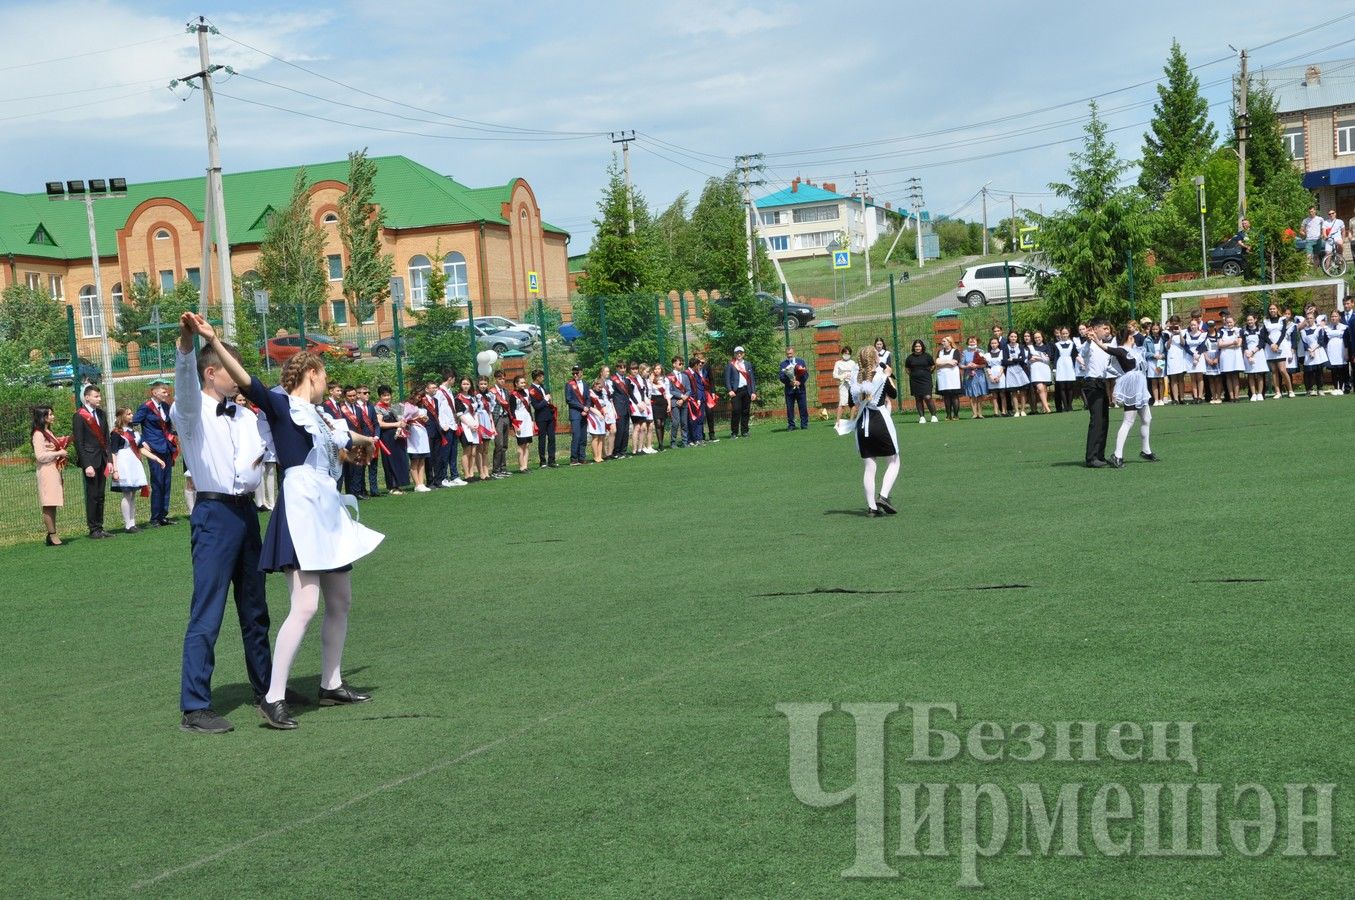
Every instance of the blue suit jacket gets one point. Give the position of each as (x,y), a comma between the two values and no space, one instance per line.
(732,376)
(152,430)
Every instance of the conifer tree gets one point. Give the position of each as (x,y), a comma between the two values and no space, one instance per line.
(1180,133)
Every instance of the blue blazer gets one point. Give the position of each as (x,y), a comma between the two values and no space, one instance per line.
(732,376)
(152,431)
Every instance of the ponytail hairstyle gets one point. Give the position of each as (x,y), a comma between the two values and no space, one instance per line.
(295,369)
(867,362)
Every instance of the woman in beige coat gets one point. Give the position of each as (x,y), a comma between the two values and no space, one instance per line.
(49,453)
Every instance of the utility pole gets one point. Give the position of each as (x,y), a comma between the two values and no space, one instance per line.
(1242,138)
(915,198)
(984,191)
(214,212)
(746,166)
(1012,223)
(624,138)
(862,184)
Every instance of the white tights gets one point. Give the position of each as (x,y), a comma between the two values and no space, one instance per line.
(306,590)
(1145,416)
(891,473)
(129,509)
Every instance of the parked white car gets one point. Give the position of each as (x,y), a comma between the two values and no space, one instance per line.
(500,323)
(981,285)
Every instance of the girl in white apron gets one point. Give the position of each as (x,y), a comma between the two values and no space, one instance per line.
(1176,362)
(313,535)
(948,378)
(1337,363)
(598,427)
(1313,344)
(1212,373)
(1131,392)
(1276,329)
(1292,354)
(608,413)
(129,477)
(1065,371)
(1254,356)
(874,428)
(1001,402)
(466,407)
(1195,343)
(1040,371)
(415,417)
(524,422)
(1155,355)
(1231,361)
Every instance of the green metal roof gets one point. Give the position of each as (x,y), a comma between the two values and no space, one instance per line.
(410,194)
(578,263)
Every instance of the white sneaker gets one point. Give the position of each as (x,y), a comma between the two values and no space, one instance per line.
(1291,395)
(1166,401)
(922,420)
(422,489)
(446,482)
(933,418)
(457,482)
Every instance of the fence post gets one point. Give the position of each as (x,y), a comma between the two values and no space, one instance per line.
(73,349)
(474,338)
(658,326)
(682,306)
(399,350)
(785,312)
(301,314)
(893,315)
(541,324)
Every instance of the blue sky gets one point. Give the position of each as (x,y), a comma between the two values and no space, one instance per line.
(699,81)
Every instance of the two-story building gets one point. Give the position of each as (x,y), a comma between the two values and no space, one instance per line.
(486,240)
(803,219)
(1316,107)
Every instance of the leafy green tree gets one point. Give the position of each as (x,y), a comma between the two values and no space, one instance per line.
(291,258)
(625,273)
(958,237)
(138,305)
(1180,135)
(1175,223)
(1090,241)
(1276,197)
(367,279)
(677,243)
(434,343)
(31,320)
(740,318)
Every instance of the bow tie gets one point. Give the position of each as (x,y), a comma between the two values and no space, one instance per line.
(225,408)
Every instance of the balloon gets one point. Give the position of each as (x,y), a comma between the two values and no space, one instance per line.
(485,360)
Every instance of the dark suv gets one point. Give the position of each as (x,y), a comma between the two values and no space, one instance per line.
(795,315)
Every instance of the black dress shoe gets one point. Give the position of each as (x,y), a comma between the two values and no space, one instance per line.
(1097,464)
(1151,457)
(873,513)
(341,695)
(883,503)
(205,721)
(155,523)
(276,715)
(293,698)
(168,521)
(133,530)
(1116,462)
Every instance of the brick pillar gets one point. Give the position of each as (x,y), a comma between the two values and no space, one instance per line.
(827,350)
(514,364)
(133,357)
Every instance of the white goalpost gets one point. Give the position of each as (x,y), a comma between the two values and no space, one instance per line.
(1169,297)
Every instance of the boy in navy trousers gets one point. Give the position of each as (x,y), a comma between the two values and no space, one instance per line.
(152,418)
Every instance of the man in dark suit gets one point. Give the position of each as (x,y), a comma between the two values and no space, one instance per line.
(793,373)
(576,399)
(543,411)
(368,420)
(741,384)
(152,417)
(621,400)
(89,433)
(707,390)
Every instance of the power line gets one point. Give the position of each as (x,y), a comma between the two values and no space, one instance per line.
(675,162)
(43,62)
(106,87)
(383,99)
(78,106)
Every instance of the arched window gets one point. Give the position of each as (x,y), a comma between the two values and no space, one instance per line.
(454,265)
(91,313)
(117,304)
(419,267)
(162,235)
(330,218)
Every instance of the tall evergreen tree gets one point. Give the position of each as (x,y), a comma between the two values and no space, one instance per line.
(291,258)
(624,276)
(367,278)
(1089,241)
(1180,134)
(1276,197)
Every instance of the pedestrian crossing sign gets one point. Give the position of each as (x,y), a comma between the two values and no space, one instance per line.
(533,283)
(842,259)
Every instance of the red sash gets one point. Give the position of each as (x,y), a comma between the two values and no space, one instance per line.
(535,391)
(333,409)
(167,430)
(743,370)
(60,443)
(130,437)
(456,423)
(500,396)
(94,425)
(366,419)
(582,395)
(525,400)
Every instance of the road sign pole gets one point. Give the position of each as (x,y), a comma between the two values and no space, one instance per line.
(541,325)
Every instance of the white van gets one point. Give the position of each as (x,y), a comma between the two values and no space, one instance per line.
(981,285)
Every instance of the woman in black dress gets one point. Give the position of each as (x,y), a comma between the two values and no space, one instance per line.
(919,365)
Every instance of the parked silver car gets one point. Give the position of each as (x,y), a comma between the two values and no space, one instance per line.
(500,340)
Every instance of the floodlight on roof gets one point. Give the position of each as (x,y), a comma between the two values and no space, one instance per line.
(56,189)
(75,187)
(98,186)
(117,185)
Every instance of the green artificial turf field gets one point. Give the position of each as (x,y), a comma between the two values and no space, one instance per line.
(576,673)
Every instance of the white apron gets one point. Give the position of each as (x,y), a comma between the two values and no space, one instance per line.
(324,533)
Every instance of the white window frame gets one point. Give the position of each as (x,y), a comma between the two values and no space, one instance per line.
(1345,137)
(91,313)
(330,218)
(329,266)
(334,307)
(418,281)
(56,287)
(1295,141)
(771,217)
(162,234)
(776,243)
(810,214)
(458,285)
(33,280)
(118,300)
(814,240)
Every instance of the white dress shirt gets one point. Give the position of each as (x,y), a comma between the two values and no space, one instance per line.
(224,453)
(1096,361)
(446,412)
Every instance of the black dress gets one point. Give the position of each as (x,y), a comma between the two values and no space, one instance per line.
(919,366)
